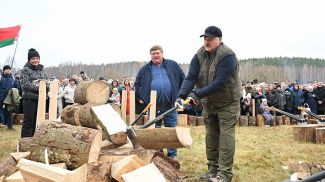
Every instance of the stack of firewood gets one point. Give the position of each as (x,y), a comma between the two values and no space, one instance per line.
(93,146)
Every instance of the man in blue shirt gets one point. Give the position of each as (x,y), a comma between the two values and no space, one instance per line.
(166,77)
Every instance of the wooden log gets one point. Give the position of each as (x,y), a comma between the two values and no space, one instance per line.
(170,173)
(260,120)
(304,133)
(111,123)
(127,164)
(286,120)
(320,135)
(117,154)
(41,106)
(191,120)
(35,171)
(74,145)
(147,173)
(68,114)
(158,138)
(278,120)
(123,105)
(199,121)
(251,121)
(94,92)
(153,108)
(85,118)
(312,121)
(17,119)
(181,119)
(98,172)
(243,121)
(8,166)
(53,109)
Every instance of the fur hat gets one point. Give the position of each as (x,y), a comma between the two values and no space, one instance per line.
(32,53)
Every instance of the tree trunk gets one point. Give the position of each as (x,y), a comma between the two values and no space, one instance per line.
(74,145)
(95,92)
(304,133)
(158,138)
(320,135)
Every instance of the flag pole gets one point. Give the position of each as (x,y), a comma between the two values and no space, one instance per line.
(13,58)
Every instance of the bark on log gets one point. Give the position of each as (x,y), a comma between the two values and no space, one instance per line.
(68,114)
(170,173)
(8,166)
(243,121)
(320,135)
(305,133)
(74,145)
(98,172)
(260,121)
(95,92)
(158,138)
(85,117)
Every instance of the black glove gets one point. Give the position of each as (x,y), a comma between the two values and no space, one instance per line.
(179,103)
(194,98)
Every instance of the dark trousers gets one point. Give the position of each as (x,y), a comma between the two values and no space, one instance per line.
(6,115)
(30,113)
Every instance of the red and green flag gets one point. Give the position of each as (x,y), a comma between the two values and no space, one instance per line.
(8,35)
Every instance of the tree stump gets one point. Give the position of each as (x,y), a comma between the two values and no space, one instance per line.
(191,120)
(320,135)
(278,120)
(305,133)
(286,120)
(251,121)
(243,121)
(199,121)
(94,92)
(260,120)
(158,138)
(312,121)
(181,119)
(74,145)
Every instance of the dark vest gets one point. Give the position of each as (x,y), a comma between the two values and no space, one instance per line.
(229,92)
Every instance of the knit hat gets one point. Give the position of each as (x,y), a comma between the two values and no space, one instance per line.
(6,67)
(32,53)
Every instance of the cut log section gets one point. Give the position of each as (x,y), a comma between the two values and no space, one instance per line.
(8,166)
(243,121)
(158,138)
(147,173)
(286,120)
(320,135)
(181,119)
(169,171)
(35,171)
(251,121)
(111,123)
(114,155)
(94,92)
(74,145)
(260,121)
(304,133)
(127,164)
(68,114)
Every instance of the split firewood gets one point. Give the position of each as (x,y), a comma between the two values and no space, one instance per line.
(95,92)
(117,154)
(8,166)
(169,171)
(158,138)
(127,164)
(111,123)
(147,173)
(73,145)
(98,172)
(19,155)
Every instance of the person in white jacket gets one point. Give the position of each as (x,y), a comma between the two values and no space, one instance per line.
(69,92)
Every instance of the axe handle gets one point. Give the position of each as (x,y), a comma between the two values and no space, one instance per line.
(160,117)
(141,114)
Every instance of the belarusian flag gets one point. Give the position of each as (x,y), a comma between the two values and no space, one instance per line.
(8,35)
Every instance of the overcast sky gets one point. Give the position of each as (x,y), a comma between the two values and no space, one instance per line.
(105,31)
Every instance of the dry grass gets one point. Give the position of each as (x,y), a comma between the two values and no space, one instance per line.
(260,152)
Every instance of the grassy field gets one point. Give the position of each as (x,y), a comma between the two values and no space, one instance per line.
(260,152)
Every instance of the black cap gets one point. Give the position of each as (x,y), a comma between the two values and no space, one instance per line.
(32,53)
(6,67)
(212,31)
